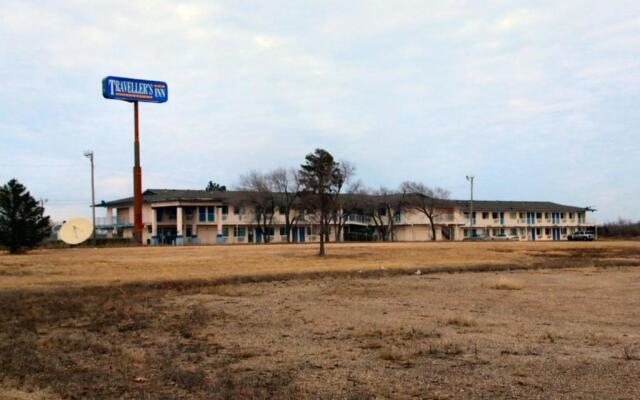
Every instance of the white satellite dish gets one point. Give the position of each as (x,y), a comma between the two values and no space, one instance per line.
(75,231)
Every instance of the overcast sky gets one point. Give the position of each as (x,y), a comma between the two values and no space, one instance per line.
(538,99)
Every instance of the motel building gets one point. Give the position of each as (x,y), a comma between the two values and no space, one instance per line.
(181,217)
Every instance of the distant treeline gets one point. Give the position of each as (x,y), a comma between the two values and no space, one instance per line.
(622,228)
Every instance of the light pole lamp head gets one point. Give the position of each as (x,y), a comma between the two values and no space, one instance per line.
(470,178)
(88,153)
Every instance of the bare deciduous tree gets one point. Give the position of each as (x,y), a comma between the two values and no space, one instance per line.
(286,184)
(338,205)
(383,204)
(425,200)
(261,196)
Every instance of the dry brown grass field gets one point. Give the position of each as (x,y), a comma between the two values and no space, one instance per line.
(109,266)
(515,320)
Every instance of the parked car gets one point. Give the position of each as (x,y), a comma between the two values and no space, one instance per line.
(580,235)
(504,236)
(477,237)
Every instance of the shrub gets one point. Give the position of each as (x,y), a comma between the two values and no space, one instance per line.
(504,283)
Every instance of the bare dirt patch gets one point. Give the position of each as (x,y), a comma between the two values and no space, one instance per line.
(450,337)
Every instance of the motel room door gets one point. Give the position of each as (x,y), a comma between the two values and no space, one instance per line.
(297,234)
(533,234)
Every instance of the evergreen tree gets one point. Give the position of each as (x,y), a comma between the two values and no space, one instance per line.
(22,222)
(320,177)
(215,187)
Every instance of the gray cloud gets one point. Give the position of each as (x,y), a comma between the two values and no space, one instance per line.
(536,98)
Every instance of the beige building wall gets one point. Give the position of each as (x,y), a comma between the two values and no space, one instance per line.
(411,225)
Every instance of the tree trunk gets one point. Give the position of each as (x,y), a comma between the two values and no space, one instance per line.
(287,227)
(433,228)
(323,217)
(321,252)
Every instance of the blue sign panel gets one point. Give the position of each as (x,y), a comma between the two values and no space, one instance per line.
(129,89)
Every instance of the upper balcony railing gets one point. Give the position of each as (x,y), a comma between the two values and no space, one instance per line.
(357,218)
(102,222)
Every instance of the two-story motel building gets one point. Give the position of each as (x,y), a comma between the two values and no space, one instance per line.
(202,217)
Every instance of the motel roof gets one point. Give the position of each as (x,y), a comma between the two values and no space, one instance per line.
(231,197)
(167,195)
(513,206)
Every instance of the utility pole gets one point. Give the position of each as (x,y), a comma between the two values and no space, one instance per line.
(89,155)
(470,178)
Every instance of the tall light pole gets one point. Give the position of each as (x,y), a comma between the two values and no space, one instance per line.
(89,155)
(470,178)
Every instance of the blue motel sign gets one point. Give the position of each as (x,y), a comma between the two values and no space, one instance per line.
(128,89)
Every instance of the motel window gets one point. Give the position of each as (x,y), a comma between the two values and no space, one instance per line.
(225,231)
(240,231)
(159,213)
(466,232)
(495,215)
(539,231)
(203,214)
(485,215)
(210,214)
(521,215)
(283,231)
(514,231)
(189,232)
(225,210)
(562,215)
(270,231)
(538,215)
(282,210)
(188,211)
(512,215)
(261,210)
(547,231)
(571,216)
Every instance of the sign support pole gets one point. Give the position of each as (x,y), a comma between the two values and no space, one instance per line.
(137,179)
(135,91)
